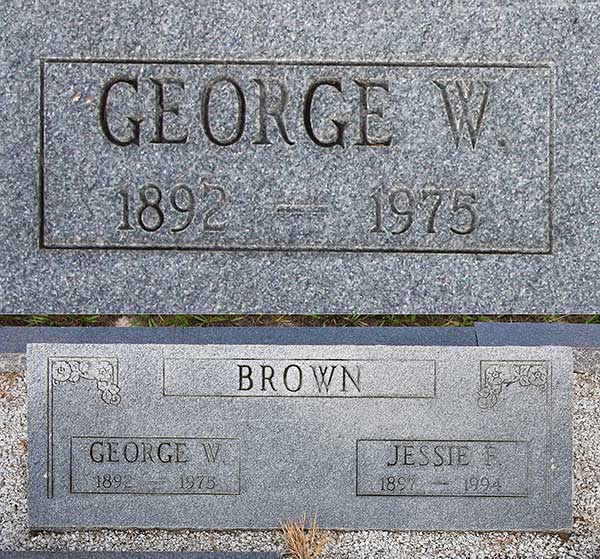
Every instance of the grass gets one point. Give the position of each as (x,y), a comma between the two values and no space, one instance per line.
(184,320)
(303,542)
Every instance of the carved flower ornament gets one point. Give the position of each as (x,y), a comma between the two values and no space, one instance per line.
(497,377)
(103,371)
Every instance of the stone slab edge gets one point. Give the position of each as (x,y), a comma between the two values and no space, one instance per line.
(583,338)
(14,339)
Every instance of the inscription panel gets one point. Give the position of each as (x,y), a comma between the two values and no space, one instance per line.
(429,438)
(429,468)
(309,378)
(152,465)
(400,157)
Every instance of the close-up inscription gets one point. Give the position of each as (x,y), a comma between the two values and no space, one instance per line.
(308,378)
(152,465)
(429,468)
(401,157)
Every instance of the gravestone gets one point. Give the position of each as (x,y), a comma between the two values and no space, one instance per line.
(285,158)
(402,438)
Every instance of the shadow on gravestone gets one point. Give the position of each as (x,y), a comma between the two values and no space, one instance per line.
(14,339)
(537,334)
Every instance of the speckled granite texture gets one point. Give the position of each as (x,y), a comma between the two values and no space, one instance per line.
(466,181)
(584,542)
(242,436)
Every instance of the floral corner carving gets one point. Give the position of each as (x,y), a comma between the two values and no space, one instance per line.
(496,377)
(103,371)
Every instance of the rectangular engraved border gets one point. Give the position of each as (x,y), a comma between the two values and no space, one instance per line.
(433,395)
(548,414)
(462,495)
(239,468)
(50,384)
(547,249)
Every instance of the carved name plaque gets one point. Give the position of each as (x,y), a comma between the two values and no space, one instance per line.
(221,152)
(246,436)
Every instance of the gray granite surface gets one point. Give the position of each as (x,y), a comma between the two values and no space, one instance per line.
(583,543)
(584,338)
(15,339)
(537,334)
(461,175)
(399,438)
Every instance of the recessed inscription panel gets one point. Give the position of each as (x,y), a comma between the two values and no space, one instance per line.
(152,465)
(431,468)
(313,378)
(297,156)
(172,436)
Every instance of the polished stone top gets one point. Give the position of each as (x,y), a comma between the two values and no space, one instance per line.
(246,436)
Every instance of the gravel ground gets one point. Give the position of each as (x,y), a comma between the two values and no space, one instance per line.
(584,543)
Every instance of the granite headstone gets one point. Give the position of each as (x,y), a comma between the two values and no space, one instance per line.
(381,157)
(182,436)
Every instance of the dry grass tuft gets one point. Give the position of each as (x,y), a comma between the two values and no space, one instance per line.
(301,542)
